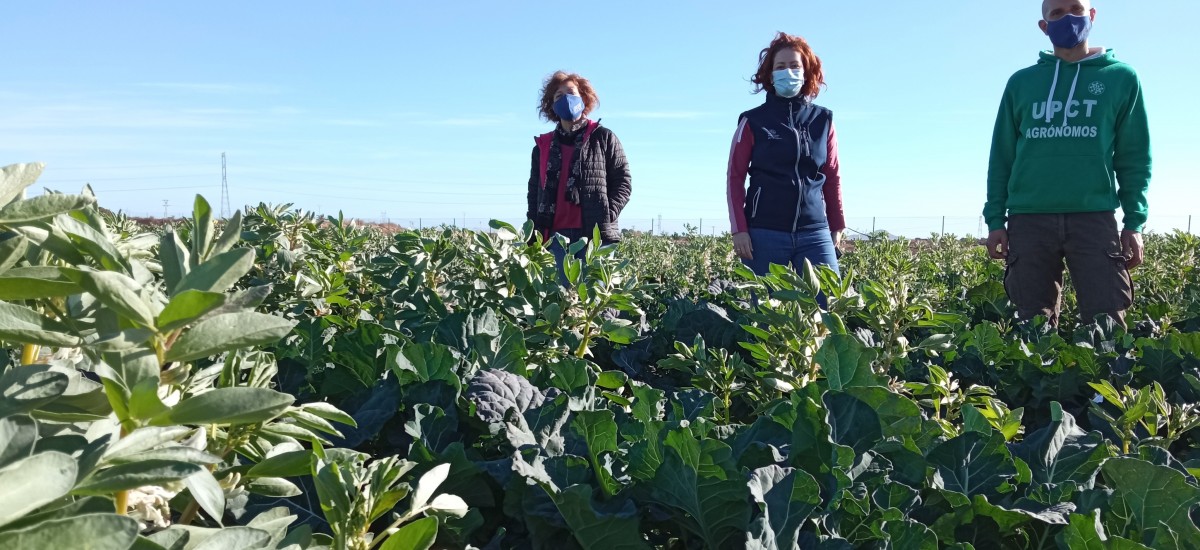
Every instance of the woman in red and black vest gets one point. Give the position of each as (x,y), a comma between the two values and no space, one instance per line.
(792,211)
(580,177)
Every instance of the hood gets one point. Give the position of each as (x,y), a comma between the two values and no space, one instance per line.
(1047,59)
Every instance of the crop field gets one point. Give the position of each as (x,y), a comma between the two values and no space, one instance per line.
(280,380)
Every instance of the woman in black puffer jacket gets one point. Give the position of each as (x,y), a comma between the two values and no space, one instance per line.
(580,177)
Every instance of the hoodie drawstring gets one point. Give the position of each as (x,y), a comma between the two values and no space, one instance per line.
(1070,95)
(1053,85)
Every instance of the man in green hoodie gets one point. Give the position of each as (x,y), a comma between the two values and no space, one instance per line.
(1071,145)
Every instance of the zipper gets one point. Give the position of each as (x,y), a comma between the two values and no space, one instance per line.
(754,208)
(799,189)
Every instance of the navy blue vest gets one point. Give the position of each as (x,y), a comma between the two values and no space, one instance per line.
(791,147)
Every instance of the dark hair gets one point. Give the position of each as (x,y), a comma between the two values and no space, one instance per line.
(813,77)
(546,105)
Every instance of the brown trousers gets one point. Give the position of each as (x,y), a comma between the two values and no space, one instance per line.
(1091,245)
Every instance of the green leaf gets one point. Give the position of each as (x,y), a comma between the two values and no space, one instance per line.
(25,388)
(908,534)
(1062,452)
(227,332)
(275,522)
(612,379)
(852,423)
(208,493)
(974,421)
(785,497)
(289,464)
(424,363)
(599,430)
(846,362)
(144,402)
(236,405)
(12,250)
(1148,501)
(234,538)
(88,235)
(647,404)
(21,325)
(175,259)
(116,291)
(231,234)
(328,412)
(134,475)
(14,178)
(32,283)
(218,273)
(1087,533)
(714,507)
(273,487)
(599,525)
(186,307)
(50,238)
(18,436)
(33,482)
(898,416)
(418,535)
(91,531)
(202,230)
(972,464)
(42,207)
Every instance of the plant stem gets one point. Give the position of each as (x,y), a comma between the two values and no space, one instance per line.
(121,498)
(121,502)
(29,354)
(189,513)
(399,521)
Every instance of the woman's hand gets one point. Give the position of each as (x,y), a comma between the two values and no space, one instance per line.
(836,235)
(742,246)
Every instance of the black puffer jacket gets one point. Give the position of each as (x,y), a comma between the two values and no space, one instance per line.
(605,188)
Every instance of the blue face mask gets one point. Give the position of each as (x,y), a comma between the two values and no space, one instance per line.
(787,82)
(569,107)
(1069,31)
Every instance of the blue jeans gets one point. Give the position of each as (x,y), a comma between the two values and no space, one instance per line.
(791,249)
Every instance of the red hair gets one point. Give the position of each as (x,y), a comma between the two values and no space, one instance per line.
(553,82)
(813,77)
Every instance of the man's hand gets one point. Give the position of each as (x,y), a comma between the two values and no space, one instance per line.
(997,244)
(741,245)
(836,235)
(1131,248)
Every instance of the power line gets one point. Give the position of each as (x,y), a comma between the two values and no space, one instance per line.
(126,167)
(89,180)
(102,190)
(372,199)
(376,189)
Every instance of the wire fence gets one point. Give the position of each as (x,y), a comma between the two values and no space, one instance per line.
(856,226)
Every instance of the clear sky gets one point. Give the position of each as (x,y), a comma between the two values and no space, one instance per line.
(427,109)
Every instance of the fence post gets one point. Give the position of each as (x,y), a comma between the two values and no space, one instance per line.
(872,224)
(700,228)
(943,227)
(1189,223)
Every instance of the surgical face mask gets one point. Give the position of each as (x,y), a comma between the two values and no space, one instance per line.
(787,82)
(1069,30)
(569,107)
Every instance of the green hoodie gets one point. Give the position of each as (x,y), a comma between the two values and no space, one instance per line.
(1070,160)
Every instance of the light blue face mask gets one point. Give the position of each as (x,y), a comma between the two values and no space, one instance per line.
(787,82)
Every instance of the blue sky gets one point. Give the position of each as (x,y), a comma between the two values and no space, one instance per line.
(427,109)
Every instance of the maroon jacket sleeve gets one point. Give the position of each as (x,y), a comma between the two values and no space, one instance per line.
(833,185)
(735,178)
